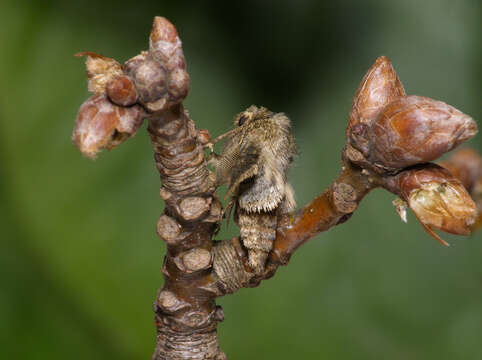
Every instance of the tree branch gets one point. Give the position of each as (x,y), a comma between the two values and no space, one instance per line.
(381,151)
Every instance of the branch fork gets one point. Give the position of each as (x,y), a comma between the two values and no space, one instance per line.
(390,139)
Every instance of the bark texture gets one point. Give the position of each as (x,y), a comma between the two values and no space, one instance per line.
(186,314)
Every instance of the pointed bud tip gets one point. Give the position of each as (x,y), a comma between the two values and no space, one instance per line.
(90,54)
(380,86)
(383,58)
(163,30)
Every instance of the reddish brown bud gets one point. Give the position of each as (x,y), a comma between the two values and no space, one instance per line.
(160,75)
(166,47)
(164,43)
(121,91)
(416,129)
(378,88)
(163,30)
(150,80)
(131,65)
(437,199)
(103,125)
(100,70)
(466,165)
(178,84)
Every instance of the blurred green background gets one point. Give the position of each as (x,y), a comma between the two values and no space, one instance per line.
(79,257)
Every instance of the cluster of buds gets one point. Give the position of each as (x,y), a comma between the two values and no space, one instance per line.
(395,136)
(124,95)
(389,131)
(436,197)
(160,74)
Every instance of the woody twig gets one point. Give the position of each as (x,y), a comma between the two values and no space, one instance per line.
(381,151)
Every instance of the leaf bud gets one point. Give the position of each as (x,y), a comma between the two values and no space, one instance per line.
(437,198)
(121,91)
(378,88)
(103,125)
(466,165)
(415,129)
(166,47)
(160,74)
(150,80)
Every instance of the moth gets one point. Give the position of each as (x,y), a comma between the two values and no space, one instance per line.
(253,163)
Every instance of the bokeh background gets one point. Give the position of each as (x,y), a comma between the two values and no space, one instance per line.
(79,257)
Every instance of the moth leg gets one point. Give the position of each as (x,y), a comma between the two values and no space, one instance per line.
(213,158)
(258,231)
(226,212)
(210,146)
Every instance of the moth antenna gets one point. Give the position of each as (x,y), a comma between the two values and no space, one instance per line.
(226,134)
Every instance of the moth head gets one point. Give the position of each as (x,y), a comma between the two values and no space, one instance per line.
(251,114)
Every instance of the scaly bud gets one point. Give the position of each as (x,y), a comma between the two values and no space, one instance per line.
(103,125)
(150,79)
(100,70)
(466,165)
(437,199)
(415,129)
(378,88)
(121,91)
(160,75)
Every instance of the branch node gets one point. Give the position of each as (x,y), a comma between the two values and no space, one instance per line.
(344,198)
(169,230)
(196,259)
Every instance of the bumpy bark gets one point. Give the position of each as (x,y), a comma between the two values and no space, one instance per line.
(186,314)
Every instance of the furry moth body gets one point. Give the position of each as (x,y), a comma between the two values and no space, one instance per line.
(254,162)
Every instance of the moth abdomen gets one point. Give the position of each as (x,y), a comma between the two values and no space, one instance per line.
(257,233)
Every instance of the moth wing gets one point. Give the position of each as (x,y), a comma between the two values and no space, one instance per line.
(225,163)
(269,188)
(246,166)
(263,196)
